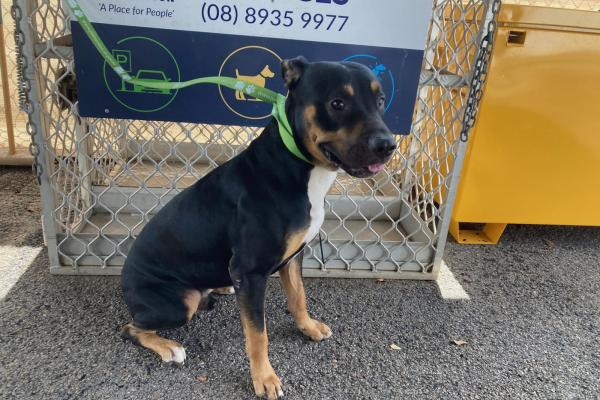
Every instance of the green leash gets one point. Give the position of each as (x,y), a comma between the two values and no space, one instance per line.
(263,94)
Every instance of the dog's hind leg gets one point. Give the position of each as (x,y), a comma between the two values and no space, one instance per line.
(168,350)
(156,308)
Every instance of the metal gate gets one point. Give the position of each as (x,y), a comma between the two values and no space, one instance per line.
(103,179)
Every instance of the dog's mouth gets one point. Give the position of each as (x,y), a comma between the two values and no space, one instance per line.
(358,172)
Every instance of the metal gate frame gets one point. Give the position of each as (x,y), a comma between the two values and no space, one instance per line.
(394,226)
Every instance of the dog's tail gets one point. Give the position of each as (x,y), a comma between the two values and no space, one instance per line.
(237,73)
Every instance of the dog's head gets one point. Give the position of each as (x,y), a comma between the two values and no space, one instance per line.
(266,72)
(337,111)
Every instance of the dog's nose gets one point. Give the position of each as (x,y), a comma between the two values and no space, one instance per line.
(382,145)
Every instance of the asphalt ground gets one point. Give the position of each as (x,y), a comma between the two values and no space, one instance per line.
(531,329)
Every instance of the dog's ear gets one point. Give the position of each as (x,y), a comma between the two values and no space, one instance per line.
(292,71)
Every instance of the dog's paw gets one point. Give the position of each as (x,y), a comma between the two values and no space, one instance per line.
(169,351)
(268,384)
(172,353)
(315,330)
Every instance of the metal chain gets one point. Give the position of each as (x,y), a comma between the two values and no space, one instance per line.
(480,72)
(25,84)
(19,72)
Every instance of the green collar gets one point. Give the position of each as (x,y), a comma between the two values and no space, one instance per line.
(285,130)
(266,95)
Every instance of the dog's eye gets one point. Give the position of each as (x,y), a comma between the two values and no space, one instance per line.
(338,105)
(381,102)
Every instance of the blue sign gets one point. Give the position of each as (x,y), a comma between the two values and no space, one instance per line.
(148,47)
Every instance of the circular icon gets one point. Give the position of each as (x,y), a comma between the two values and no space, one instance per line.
(259,66)
(381,71)
(146,59)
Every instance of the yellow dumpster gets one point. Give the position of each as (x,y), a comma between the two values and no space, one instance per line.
(534,155)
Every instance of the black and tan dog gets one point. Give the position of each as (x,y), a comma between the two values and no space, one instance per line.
(253,215)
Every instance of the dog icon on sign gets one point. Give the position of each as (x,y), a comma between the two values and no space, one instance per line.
(259,80)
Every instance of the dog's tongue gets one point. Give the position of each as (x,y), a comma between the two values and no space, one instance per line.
(375,168)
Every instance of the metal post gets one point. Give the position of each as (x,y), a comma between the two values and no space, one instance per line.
(37,125)
(84,162)
(491,8)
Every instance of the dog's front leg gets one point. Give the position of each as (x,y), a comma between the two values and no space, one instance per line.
(250,293)
(291,279)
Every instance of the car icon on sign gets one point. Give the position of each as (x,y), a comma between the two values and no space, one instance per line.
(153,76)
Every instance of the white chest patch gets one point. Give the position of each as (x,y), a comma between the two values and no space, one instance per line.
(319,183)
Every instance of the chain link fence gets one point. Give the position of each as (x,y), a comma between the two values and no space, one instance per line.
(103,179)
(585,5)
(13,105)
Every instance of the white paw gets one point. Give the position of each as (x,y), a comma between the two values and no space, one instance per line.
(177,355)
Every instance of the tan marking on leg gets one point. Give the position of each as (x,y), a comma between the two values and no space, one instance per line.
(293,243)
(294,289)
(264,379)
(349,89)
(375,86)
(168,350)
(192,299)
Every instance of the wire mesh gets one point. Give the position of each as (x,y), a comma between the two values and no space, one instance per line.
(109,177)
(586,5)
(21,136)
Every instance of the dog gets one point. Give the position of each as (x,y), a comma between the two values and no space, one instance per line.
(258,80)
(253,215)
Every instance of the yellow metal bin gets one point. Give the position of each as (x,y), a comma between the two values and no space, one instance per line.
(534,155)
